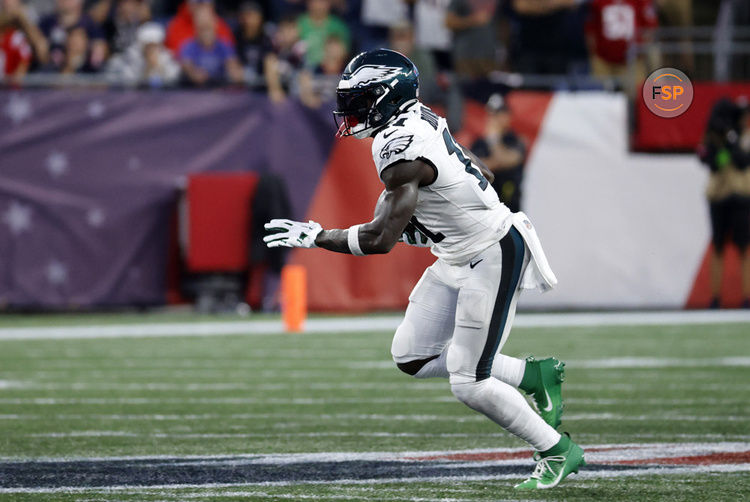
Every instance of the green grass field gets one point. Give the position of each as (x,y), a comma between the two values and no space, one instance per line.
(339,392)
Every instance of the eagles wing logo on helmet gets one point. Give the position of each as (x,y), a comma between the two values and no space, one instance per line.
(396,146)
(370,73)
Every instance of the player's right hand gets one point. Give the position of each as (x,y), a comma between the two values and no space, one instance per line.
(291,234)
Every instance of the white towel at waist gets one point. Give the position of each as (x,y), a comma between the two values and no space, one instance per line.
(538,273)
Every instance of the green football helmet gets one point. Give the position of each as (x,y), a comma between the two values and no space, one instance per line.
(374,88)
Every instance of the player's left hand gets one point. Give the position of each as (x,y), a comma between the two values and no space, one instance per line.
(414,237)
(291,234)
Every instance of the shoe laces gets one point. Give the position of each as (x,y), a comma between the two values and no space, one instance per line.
(543,465)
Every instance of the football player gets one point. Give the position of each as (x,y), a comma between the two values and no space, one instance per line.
(438,194)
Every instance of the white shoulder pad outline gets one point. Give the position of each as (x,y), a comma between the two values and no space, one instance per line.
(396,145)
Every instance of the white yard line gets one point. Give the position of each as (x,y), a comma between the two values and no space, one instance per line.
(610,363)
(605,401)
(248,435)
(658,362)
(51,401)
(674,417)
(158,417)
(198,386)
(364,324)
(611,417)
(405,386)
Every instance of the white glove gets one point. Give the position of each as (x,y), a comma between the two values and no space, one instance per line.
(414,237)
(291,234)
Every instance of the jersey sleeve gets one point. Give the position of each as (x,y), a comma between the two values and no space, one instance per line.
(397,144)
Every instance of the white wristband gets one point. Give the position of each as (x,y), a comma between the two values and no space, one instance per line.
(352,239)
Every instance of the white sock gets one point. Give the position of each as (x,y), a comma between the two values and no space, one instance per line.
(508,369)
(505,406)
(505,368)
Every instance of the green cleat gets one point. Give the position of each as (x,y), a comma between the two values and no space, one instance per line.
(552,469)
(548,392)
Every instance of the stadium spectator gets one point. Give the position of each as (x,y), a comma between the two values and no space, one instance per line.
(38,9)
(316,26)
(146,62)
(474,40)
(281,9)
(612,28)
(726,151)
(548,39)
(121,28)
(290,56)
(77,59)
(503,152)
(182,28)
(87,50)
(15,53)
(679,14)
(319,85)
(207,60)
(376,17)
(402,40)
(100,10)
(14,15)
(164,10)
(431,33)
(254,46)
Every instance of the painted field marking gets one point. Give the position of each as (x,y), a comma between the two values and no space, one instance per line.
(198,386)
(366,324)
(125,474)
(52,401)
(241,435)
(658,362)
(613,362)
(310,418)
(405,386)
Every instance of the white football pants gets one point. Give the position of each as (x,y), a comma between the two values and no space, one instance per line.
(457,321)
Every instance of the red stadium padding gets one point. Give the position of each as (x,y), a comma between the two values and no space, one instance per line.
(685,132)
(731,290)
(218,221)
(528,109)
(346,196)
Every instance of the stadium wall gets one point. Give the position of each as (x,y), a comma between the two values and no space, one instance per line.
(88,181)
(622,230)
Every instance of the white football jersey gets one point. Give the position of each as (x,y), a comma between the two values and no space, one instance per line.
(460,211)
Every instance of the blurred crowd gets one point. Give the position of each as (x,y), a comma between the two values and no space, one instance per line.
(301,46)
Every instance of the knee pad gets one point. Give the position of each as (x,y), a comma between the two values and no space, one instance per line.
(401,345)
(401,350)
(413,367)
(472,394)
